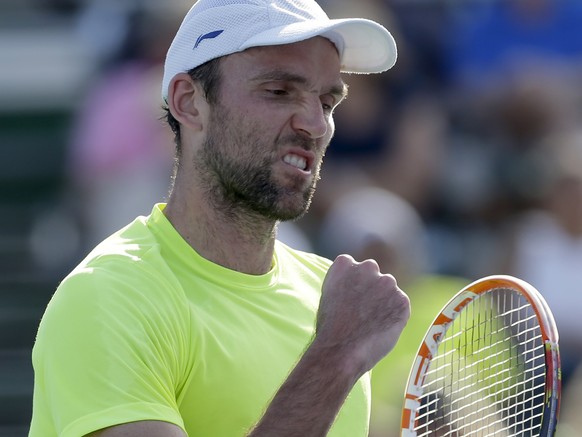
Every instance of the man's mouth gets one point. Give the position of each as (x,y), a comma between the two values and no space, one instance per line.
(295,161)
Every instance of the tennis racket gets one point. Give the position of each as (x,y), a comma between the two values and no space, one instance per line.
(488,366)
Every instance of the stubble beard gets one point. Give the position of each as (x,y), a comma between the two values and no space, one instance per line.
(236,166)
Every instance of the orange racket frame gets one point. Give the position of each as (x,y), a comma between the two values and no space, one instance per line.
(436,332)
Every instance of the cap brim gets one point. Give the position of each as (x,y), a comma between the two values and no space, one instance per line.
(364,45)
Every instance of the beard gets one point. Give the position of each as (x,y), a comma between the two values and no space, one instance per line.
(236,165)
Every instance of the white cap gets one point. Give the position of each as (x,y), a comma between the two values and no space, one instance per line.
(214,28)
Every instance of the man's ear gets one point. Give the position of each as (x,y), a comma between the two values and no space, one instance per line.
(186,101)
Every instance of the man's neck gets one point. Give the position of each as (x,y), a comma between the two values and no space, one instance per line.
(240,242)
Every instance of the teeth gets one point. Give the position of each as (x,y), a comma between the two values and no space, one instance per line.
(296,161)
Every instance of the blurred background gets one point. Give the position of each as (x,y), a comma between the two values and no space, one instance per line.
(462,161)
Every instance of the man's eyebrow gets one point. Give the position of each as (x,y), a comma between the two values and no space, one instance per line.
(339,90)
(282,75)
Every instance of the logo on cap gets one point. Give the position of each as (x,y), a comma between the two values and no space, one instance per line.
(208,35)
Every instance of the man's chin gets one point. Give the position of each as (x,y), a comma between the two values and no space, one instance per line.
(291,210)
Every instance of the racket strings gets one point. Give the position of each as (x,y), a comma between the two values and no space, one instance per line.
(488,377)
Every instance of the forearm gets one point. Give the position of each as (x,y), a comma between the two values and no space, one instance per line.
(309,400)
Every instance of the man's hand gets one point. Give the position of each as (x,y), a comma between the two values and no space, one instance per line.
(362,311)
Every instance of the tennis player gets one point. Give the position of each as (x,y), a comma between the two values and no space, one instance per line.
(195,320)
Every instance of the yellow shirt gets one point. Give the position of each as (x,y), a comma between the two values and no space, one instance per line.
(146,329)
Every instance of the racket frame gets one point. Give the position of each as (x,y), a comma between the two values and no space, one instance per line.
(436,333)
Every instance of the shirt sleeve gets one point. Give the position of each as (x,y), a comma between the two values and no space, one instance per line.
(110,351)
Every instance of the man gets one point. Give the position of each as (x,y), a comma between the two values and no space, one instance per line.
(195,320)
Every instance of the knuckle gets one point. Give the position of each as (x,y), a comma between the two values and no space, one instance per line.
(388,281)
(370,262)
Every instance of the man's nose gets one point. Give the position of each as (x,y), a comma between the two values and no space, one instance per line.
(311,120)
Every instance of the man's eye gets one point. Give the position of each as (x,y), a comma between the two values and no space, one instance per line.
(327,104)
(279,92)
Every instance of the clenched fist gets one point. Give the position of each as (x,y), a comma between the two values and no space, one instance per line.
(362,312)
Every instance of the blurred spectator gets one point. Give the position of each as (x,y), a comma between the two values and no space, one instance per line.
(412,163)
(120,152)
(493,166)
(371,222)
(547,244)
(362,121)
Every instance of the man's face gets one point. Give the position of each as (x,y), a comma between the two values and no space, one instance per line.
(269,131)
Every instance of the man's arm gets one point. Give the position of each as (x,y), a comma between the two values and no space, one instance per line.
(146,428)
(361,315)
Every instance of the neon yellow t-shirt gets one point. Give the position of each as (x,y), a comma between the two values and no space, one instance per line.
(146,329)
